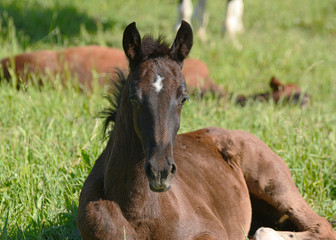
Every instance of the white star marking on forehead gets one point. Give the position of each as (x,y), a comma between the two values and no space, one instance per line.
(158,85)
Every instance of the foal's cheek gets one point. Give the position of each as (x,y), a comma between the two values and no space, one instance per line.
(177,126)
(178,117)
(177,113)
(135,125)
(137,130)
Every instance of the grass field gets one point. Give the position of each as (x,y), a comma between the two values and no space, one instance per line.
(50,138)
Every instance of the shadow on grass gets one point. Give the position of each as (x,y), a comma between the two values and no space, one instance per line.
(38,22)
(64,226)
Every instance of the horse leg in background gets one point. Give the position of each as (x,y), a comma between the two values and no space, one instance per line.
(200,19)
(233,21)
(268,178)
(185,10)
(233,24)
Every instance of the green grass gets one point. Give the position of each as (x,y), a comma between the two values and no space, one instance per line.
(50,138)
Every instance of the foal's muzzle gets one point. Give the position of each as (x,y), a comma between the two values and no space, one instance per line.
(160,180)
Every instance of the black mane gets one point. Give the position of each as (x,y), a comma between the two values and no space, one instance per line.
(109,114)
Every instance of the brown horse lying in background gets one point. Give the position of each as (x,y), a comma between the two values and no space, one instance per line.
(81,62)
(280,93)
(197,77)
(150,183)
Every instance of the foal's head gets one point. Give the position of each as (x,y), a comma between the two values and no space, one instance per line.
(157,92)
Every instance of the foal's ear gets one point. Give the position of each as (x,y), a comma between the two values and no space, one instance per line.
(276,85)
(132,43)
(183,43)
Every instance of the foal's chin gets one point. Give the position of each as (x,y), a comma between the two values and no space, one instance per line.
(159,188)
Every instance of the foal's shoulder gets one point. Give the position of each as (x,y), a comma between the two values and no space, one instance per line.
(230,143)
(229,137)
(219,138)
(213,134)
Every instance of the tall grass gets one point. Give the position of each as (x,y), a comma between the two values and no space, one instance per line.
(50,137)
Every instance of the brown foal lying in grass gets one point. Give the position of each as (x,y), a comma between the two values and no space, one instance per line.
(150,183)
(289,93)
(82,62)
(79,62)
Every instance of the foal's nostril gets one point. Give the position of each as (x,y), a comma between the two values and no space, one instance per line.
(173,169)
(149,171)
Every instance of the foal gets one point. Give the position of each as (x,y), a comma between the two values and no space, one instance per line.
(81,62)
(290,93)
(78,62)
(150,183)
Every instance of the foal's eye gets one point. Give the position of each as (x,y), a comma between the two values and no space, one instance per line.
(184,100)
(134,102)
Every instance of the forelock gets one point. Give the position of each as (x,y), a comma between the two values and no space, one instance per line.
(153,48)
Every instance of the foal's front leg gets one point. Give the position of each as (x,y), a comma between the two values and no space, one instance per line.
(104,220)
(269,179)
(99,218)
